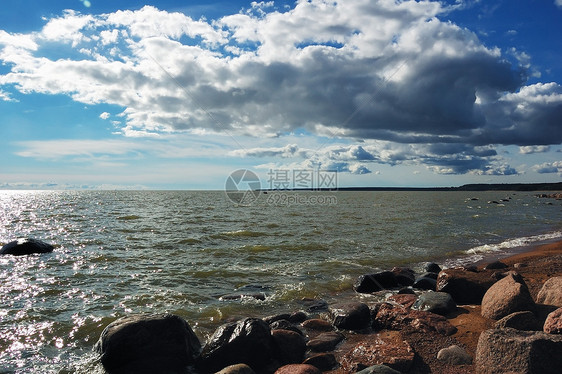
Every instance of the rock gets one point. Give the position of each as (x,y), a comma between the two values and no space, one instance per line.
(24,246)
(277,317)
(506,296)
(387,316)
(298,317)
(314,305)
(378,369)
(435,302)
(524,320)
(430,275)
(298,369)
(404,276)
(406,300)
(553,323)
(454,355)
(503,350)
(407,290)
(147,344)
(551,292)
(425,283)
(322,361)
(237,369)
(290,346)
(285,325)
(317,324)
(369,283)
(325,342)
(248,341)
(464,286)
(249,291)
(350,316)
(431,267)
(388,349)
(495,265)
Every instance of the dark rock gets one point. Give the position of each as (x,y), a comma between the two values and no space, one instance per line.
(404,276)
(495,265)
(285,325)
(430,275)
(378,369)
(388,349)
(406,290)
(504,350)
(23,247)
(317,324)
(551,292)
(350,316)
(431,267)
(465,287)
(248,341)
(247,292)
(524,320)
(237,369)
(314,305)
(369,283)
(322,361)
(325,342)
(298,317)
(435,302)
(390,317)
(147,343)
(290,346)
(553,323)
(425,284)
(406,300)
(277,317)
(454,355)
(298,369)
(507,296)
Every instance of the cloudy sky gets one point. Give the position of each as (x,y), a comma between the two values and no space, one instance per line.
(178,94)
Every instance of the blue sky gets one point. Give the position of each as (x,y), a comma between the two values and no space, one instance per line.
(178,94)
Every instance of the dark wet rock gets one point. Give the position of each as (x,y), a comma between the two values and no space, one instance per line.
(298,369)
(429,275)
(322,361)
(454,355)
(147,344)
(317,324)
(506,296)
(404,276)
(406,300)
(551,292)
(237,369)
(431,267)
(505,350)
(325,342)
(435,302)
(247,292)
(248,341)
(369,283)
(388,349)
(314,305)
(465,287)
(425,284)
(378,369)
(390,317)
(495,265)
(285,325)
(553,323)
(524,320)
(290,346)
(277,317)
(23,247)
(298,317)
(406,290)
(350,316)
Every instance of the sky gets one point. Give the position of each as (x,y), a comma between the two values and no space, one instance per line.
(179,94)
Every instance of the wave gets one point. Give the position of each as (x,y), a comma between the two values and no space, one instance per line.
(513,243)
(239,233)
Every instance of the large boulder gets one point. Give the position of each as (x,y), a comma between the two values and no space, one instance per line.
(425,283)
(147,344)
(351,316)
(551,292)
(290,346)
(553,323)
(435,302)
(524,320)
(508,295)
(325,342)
(24,246)
(510,350)
(369,283)
(404,276)
(465,286)
(248,341)
(393,317)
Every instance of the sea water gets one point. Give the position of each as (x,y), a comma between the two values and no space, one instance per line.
(123,252)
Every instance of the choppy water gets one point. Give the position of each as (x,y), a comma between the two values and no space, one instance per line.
(121,252)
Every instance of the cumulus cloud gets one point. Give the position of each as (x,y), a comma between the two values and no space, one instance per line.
(105,115)
(382,71)
(534,149)
(549,167)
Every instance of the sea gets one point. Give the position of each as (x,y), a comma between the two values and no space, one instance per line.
(125,252)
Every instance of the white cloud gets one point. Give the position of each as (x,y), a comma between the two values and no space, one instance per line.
(534,149)
(558,3)
(549,167)
(5,96)
(105,115)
